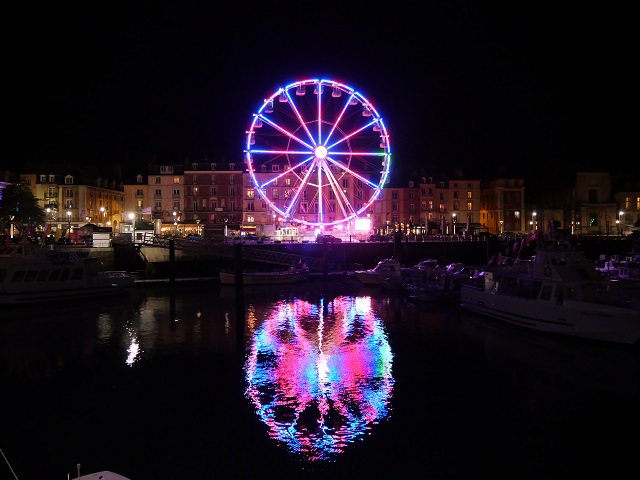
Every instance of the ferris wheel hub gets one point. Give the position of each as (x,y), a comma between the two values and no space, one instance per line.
(321,151)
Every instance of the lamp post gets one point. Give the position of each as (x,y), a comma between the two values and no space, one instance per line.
(455,216)
(133,226)
(533,220)
(619,222)
(69,224)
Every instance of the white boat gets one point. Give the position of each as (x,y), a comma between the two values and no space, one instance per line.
(387,272)
(557,291)
(293,275)
(30,274)
(104,475)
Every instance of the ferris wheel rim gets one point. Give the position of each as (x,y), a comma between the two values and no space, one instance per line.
(310,146)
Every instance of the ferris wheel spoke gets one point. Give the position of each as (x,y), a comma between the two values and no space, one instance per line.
(337,190)
(286,132)
(301,120)
(339,118)
(347,137)
(352,172)
(295,200)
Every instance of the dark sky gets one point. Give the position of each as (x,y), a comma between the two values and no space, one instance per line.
(500,87)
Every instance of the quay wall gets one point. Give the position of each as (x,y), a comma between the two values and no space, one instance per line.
(156,261)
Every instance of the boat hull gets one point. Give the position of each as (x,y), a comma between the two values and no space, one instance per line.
(29,275)
(575,319)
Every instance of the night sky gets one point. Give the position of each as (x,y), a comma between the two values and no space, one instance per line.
(496,89)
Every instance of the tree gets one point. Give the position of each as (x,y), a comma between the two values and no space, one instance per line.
(19,206)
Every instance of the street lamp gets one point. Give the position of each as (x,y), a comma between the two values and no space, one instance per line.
(69,223)
(455,216)
(133,226)
(619,221)
(533,220)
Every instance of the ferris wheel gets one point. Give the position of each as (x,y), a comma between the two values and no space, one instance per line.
(318,153)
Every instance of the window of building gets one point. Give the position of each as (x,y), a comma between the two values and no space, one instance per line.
(213,166)
(275,168)
(232,191)
(158,180)
(214,191)
(43,178)
(394,195)
(166,169)
(345,183)
(275,193)
(469,194)
(232,166)
(250,193)
(176,192)
(176,206)
(139,204)
(251,219)
(68,192)
(195,206)
(250,206)
(287,181)
(213,179)
(157,193)
(157,205)
(194,166)
(469,206)
(394,206)
(176,180)
(232,179)
(139,192)
(52,178)
(204,203)
(68,180)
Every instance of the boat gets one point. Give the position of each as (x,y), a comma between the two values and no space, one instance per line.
(426,292)
(557,291)
(31,274)
(104,475)
(387,272)
(292,275)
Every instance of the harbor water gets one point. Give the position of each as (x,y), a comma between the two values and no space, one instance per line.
(325,379)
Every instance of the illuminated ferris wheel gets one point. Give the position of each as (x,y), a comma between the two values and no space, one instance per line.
(318,153)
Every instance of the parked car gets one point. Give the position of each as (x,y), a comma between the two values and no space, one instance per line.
(194,236)
(325,238)
(377,237)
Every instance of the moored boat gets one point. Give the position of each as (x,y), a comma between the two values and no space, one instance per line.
(293,275)
(387,272)
(558,291)
(30,274)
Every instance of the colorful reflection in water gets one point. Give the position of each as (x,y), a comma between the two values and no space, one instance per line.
(320,375)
